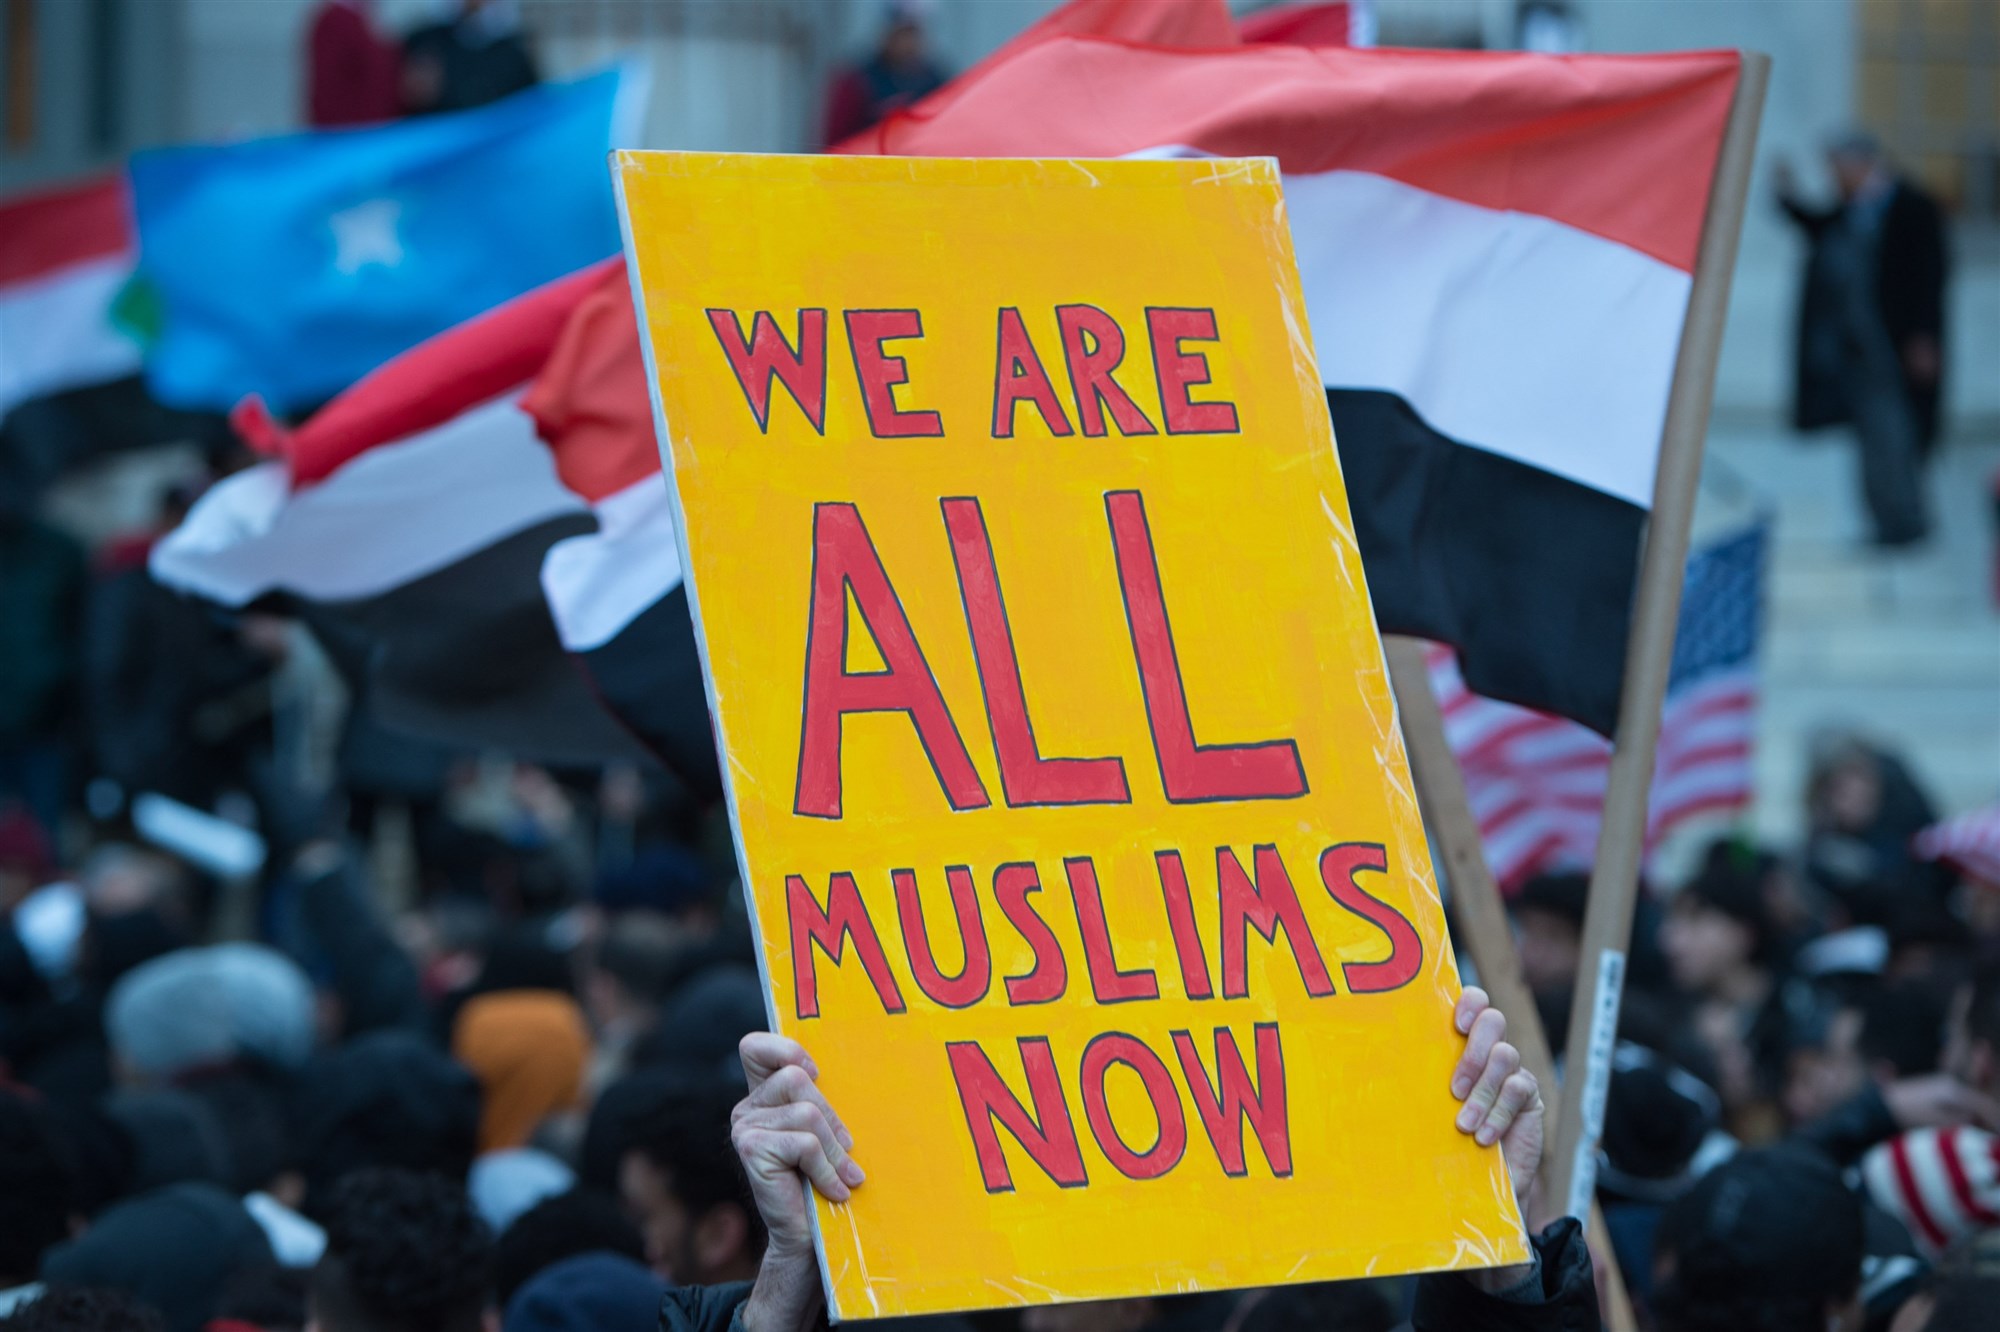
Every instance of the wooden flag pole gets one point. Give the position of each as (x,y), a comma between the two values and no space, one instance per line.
(1570,1170)
(1482,916)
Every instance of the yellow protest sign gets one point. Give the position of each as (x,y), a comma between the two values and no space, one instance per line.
(1076,825)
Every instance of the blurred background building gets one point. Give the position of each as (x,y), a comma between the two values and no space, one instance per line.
(1905,648)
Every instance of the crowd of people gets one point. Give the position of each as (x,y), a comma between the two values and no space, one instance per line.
(474,1045)
(460,1047)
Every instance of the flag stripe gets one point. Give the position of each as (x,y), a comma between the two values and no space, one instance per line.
(1553,139)
(56,331)
(400,511)
(1508,332)
(42,233)
(597,584)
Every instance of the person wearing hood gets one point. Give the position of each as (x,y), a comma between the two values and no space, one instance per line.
(175,1249)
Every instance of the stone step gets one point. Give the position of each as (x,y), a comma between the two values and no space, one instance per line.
(1946,650)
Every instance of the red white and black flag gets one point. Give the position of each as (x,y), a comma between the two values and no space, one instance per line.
(410,516)
(69,373)
(1496,252)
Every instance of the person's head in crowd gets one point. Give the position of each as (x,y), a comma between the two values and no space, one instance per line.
(631,972)
(175,1138)
(663,878)
(174,1248)
(405,1252)
(529,1049)
(202,1009)
(1771,1239)
(384,1099)
(508,1182)
(1963,1292)
(584,1220)
(37,1207)
(83,1309)
(1717,937)
(591,1292)
(1943,1184)
(1926,941)
(1972,1034)
(1824,1068)
(1903,1029)
(1548,925)
(1854,157)
(682,1184)
(704,1022)
(263,1299)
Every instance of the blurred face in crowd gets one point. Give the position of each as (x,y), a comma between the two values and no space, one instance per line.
(1974,1062)
(1703,945)
(903,45)
(1852,794)
(1820,1079)
(684,1248)
(1549,946)
(1850,171)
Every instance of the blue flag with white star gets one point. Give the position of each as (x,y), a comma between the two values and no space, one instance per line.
(289,267)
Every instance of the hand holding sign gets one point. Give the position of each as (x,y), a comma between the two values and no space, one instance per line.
(787,1133)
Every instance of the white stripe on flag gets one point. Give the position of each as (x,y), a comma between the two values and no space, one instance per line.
(56,331)
(1507,331)
(394,514)
(598,584)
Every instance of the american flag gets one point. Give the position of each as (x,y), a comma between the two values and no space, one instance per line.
(1969,843)
(1536,782)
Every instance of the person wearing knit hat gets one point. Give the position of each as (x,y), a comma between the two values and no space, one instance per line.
(529,1049)
(175,1248)
(198,1008)
(593,1292)
(1771,1239)
(1943,1183)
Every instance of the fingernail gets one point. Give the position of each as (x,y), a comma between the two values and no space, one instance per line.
(1460,1086)
(1486,1136)
(851,1173)
(1466,1119)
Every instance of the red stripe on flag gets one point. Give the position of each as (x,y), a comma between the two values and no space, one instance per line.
(45,232)
(1623,147)
(433,382)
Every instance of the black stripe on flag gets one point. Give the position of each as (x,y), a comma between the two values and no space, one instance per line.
(468,656)
(1529,575)
(649,676)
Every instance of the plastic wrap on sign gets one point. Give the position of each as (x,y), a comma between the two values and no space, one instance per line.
(1075,822)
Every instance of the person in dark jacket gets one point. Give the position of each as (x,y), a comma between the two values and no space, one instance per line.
(899,73)
(1552,1293)
(476,58)
(1871,326)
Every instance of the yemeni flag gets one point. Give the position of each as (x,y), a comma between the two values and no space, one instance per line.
(616,593)
(407,522)
(69,374)
(1496,252)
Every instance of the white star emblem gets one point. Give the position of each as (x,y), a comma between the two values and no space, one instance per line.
(366,234)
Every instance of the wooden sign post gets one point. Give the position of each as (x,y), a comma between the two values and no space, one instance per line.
(1570,1169)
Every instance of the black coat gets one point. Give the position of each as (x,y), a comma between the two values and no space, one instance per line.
(1910,277)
